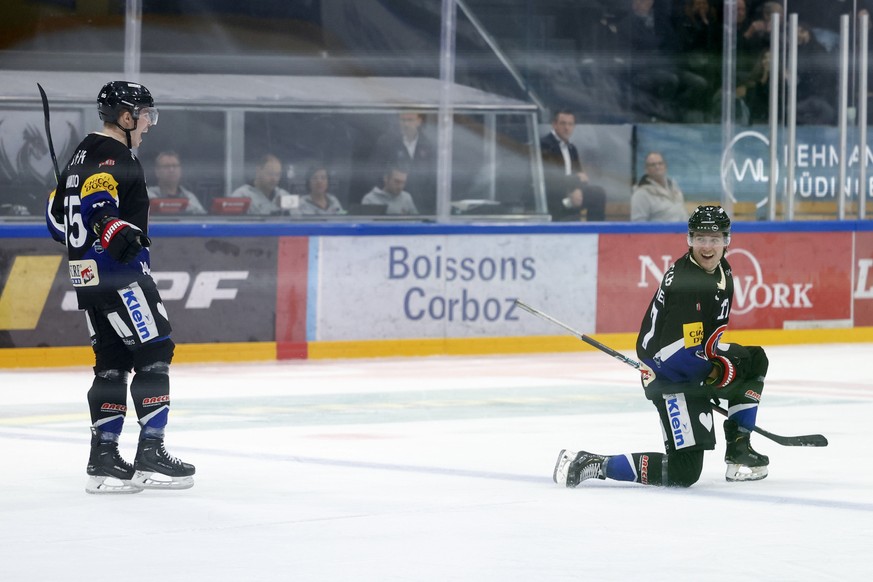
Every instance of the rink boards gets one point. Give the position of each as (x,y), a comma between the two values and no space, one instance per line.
(267,291)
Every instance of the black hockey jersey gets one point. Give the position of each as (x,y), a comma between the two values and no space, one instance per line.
(684,322)
(103,178)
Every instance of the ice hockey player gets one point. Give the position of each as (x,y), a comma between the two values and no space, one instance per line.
(100,210)
(685,368)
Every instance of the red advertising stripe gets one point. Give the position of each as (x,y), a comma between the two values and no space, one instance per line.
(292,272)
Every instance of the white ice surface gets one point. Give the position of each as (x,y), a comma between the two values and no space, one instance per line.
(436,469)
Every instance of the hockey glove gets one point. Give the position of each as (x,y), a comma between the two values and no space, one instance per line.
(122,240)
(723,372)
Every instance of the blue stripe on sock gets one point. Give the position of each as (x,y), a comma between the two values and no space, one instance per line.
(620,469)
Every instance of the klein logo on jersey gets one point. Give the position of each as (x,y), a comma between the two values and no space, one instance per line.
(112,407)
(683,436)
(101,182)
(155,400)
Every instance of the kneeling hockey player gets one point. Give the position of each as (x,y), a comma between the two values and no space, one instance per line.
(684,367)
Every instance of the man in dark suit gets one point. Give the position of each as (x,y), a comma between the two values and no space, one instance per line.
(561,159)
(412,148)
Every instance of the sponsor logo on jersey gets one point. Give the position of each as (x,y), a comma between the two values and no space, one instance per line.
(680,427)
(753,395)
(106,163)
(155,400)
(73,181)
(140,314)
(101,182)
(112,407)
(84,273)
(693,334)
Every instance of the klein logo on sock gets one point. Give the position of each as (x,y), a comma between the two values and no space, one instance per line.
(156,400)
(110,407)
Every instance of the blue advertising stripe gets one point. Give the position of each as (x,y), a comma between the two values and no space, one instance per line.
(229,229)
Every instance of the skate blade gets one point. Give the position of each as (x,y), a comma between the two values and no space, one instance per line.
(99,485)
(735,473)
(152,480)
(559,475)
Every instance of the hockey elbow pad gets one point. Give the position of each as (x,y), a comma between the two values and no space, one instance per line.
(723,372)
(121,239)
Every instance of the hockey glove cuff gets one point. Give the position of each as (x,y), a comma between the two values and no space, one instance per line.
(121,239)
(723,372)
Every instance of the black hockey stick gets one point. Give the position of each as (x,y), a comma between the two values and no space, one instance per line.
(48,133)
(806,440)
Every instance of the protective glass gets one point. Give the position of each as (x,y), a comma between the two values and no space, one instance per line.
(699,239)
(150,114)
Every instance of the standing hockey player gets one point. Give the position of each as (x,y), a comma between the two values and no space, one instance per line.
(101,211)
(683,367)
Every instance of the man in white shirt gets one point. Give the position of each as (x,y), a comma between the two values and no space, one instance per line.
(392,193)
(265,194)
(168,171)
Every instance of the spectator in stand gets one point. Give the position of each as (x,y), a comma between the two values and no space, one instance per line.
(410,146)
(168,171)
(561,159)
(656,197)
(267,198)
(318,201)
(755,91)
(756,35)
(817,74)
(392,193)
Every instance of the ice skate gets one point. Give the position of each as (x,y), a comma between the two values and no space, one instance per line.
(107,471)
(572,468)
(157,469)
(743,462)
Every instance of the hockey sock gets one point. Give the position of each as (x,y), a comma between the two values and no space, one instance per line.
(151,398)
(619,467)
(745,415)
(107,400)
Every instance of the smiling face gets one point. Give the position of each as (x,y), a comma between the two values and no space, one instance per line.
(707,249)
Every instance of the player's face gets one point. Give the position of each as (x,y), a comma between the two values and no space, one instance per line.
(707,249)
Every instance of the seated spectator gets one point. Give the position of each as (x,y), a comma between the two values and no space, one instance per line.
(410,146)
(656,197)
(567,208)
(392,193)
(317,200)
(168,171)
(267,198)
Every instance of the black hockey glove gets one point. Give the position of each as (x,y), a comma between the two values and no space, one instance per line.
(122,240)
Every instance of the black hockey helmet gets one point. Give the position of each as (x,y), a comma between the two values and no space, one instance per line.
(709,219)
(118,96)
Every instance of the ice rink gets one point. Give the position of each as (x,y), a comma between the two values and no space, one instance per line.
(436,469)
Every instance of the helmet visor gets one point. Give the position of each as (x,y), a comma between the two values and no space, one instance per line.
(701,240)
(150,114)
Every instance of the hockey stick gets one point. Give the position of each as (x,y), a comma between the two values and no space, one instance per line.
(48,133)
(807,440)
